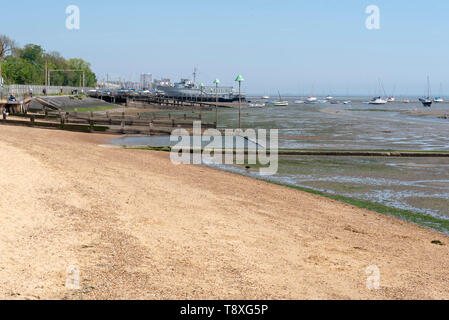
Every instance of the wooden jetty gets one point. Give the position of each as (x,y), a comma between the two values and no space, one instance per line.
(162,100)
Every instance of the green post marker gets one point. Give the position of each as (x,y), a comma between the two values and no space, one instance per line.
(240,80)
(217,82)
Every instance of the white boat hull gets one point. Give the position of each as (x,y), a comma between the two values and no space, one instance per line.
(280,104)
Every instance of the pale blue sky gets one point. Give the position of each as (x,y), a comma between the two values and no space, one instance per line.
(285,45)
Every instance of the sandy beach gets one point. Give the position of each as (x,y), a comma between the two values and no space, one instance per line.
(138,227)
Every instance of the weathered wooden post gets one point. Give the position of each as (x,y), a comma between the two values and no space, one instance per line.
(122,127)
(150,128)
(62,121)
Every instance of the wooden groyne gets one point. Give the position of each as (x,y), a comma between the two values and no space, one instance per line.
(336,153)
(111,123)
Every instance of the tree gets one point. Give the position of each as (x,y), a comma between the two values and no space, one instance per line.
(32,53)
(27,66)
(6,47)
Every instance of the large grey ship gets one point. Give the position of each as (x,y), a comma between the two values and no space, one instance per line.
(187,89)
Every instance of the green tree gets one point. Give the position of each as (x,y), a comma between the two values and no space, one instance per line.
(27,66)
(20,71)
(6,48)
(33,53)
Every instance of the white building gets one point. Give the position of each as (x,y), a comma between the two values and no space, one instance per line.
(146,80)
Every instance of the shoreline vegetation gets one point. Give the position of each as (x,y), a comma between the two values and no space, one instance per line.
(428,221)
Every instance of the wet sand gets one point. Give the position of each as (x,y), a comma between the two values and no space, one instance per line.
(138,227)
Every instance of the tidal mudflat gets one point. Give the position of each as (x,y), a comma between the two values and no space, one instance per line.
(420,185)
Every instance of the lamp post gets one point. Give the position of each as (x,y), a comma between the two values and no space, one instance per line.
(201,99)
(240,80)
(217,82)
(201,87)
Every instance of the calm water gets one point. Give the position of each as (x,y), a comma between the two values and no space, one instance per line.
(421,185)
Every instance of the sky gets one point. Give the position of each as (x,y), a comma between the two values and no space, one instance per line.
(297,47)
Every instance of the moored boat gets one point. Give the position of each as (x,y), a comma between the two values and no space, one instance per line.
(378,101)
(427,101)
(280,103)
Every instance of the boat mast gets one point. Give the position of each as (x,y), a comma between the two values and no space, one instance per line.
(381,88)
(194,75)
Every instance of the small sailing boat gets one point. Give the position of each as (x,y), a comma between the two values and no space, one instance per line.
(280,103)
(439,99)
(378,100)
(257,104)
(392,98)
(427,102)
(311,99)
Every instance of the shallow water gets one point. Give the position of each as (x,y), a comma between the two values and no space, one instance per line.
(417,184)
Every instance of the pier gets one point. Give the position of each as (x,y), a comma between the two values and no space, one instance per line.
(161,100)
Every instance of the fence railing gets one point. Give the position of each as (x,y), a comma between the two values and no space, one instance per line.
(3,93)
(19,90)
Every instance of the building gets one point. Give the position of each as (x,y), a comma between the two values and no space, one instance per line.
(146,80)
